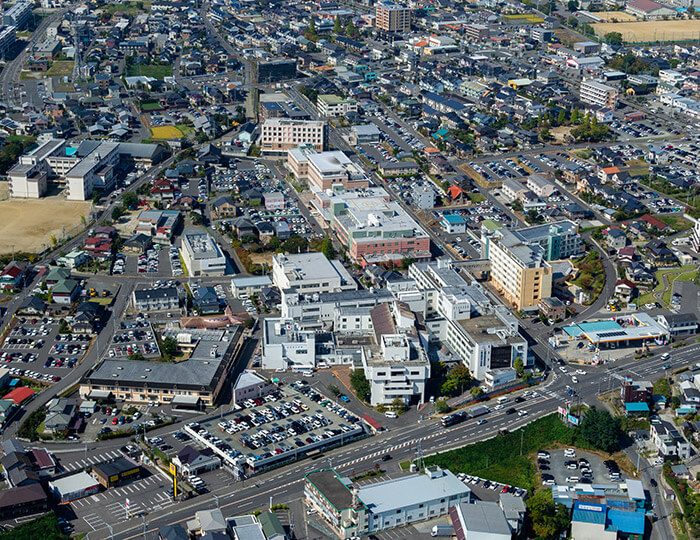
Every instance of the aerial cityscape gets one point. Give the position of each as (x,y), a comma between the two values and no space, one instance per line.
(350,269)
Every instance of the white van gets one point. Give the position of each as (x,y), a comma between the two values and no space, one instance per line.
(391,414)
(665,356)
(503,399)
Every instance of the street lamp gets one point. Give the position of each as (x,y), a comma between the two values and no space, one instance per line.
(111,531)
(216,498)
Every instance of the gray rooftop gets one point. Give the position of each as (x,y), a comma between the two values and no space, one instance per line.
(484,517)
(410,490)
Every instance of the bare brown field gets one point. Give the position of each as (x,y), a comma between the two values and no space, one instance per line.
(26,224)
(619,16)
(652,31)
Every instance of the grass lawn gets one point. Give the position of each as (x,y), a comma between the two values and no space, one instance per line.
(185,129)
(500,458)
(583,154)
(150,70)
(476,198)
(678,223)
(150,106)
(59,68)
(686,273)
(20,138)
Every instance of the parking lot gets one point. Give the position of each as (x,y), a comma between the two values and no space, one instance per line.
(155,263)
(277,428)
(133,338)
(577,467)
(35,350)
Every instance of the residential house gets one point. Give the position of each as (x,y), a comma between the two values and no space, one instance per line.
(679,324)
(668,441)
(13,275)
(190,461)
(224,207)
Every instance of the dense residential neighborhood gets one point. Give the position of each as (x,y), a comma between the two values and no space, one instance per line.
(339,270)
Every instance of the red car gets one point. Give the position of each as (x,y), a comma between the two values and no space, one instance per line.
(114,421)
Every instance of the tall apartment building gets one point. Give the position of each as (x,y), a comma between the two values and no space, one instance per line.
(519,270)
(392,17)
(18,15)
(8,36)
(597,93)
(281,134)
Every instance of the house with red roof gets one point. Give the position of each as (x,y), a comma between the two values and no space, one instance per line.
(99,249)
(163,189)
(651,221)
(13,275)
(20,395)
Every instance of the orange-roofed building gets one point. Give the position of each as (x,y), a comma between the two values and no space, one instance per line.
(20,395)
(605,173)
(455,192)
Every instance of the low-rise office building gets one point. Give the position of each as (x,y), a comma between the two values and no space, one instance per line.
(310,273)
(197,380)
(360,510)
(244,287)
(281,134)
(201,254)
(332,105)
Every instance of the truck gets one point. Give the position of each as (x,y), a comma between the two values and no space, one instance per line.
(479,410)
(442,530)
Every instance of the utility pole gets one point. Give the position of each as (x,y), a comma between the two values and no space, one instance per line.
(522,435)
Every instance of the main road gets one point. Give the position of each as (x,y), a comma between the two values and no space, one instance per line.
(285,484)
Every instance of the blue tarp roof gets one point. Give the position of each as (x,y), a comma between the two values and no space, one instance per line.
(625,522)
(636,407)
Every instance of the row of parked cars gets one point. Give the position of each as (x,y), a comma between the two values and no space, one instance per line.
(490,484)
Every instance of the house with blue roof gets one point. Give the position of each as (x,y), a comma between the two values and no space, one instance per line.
(453,224)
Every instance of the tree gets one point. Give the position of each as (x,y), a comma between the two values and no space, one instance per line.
(337,28)
(398,405)
(575,116)
(168,347)
(519,366)
(327,248)
(350,29)
(130,199)
(360,384)
(96,196)
(312,26)
(136,356)
(545,518)
(614,38)
(572,21)
(458,378)
(601,430)
(274,243)
(572,5)
(441,406)
(476,392)
(517,206)
(561,120)
(117,212)
(295,244)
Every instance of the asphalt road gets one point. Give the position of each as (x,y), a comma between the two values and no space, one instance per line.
(286,483)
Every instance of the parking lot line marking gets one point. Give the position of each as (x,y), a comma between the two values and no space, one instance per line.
(130,489)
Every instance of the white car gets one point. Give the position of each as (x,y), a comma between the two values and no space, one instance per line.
(580,372)
(574,380)
(522,412)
